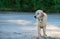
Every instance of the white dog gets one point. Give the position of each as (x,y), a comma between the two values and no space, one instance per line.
(41,18)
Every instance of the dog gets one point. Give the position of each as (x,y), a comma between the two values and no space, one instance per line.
(41,18)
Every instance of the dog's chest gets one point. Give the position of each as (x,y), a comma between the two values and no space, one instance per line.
(40,20)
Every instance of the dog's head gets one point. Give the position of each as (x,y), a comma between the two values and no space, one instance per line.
(38,14)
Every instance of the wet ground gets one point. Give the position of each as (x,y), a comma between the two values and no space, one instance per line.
(23,26)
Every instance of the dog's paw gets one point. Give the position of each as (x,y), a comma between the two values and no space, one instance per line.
(37,38)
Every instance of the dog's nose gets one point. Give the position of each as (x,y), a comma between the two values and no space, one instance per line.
(34,16)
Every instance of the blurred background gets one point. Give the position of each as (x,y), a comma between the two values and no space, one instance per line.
(17,18)
(30,5)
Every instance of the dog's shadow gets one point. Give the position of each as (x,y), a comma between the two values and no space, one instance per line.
(42,37)
(48,37)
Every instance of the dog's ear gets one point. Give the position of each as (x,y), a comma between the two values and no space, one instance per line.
(42,14)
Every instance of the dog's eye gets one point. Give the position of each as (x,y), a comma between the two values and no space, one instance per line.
(37,13)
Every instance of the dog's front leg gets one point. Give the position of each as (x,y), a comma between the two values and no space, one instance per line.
(39,34)
(44,31)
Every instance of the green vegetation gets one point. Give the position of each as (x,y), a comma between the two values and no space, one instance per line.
(30,5)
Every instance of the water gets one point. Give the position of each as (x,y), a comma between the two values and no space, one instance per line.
(22,25)
(54,19)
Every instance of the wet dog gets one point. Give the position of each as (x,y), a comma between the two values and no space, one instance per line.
(41,19)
